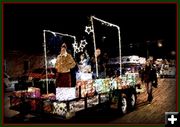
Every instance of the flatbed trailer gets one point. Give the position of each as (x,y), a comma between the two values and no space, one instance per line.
(123,99)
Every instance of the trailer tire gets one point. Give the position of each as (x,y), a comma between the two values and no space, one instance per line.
(132,101)
(123,104)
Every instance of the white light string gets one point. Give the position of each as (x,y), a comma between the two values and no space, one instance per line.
(81,46)
(45,51)
(119,38)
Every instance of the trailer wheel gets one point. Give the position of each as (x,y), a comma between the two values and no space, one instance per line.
(132,101)
(123,104)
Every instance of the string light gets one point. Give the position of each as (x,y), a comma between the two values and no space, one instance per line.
(81,46)
(88,29)
(83,43)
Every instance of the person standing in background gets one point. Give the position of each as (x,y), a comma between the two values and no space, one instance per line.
(148,79)
(100,62)
(64,64)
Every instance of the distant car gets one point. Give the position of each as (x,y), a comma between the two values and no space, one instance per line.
(169,71)
(40,73)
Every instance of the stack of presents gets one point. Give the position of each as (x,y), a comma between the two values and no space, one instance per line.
(68,100)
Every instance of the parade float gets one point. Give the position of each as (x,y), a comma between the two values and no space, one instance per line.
(115,91)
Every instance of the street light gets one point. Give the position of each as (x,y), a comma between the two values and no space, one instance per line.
(160,43)
(173,53)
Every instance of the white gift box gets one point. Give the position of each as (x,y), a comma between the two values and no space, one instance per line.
(63,94)
(83,76)
(34,92)
(60,108)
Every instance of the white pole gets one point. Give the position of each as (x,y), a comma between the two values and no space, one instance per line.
(119,37)
(45,59)
(94,41)
(74,43)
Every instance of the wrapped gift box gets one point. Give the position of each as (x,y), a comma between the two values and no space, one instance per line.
(15,101)
(116,83)
(63,94)
(83,76)
(17,97)
(87,88)
(34,92)
(102,85)
(106,83)
(78,105)
(60,108)
(98,85)
(80,85)
(20,93)
(90,89)
(84,68)
(47,106)
(104,98)
(92,101)
(132,77)
(50,96)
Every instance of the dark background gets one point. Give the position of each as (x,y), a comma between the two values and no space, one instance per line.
(139,23)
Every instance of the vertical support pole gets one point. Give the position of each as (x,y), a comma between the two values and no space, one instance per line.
(119,37)
(94,41)
(74,42)
(45,60)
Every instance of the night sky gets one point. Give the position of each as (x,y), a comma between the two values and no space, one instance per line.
(139,23)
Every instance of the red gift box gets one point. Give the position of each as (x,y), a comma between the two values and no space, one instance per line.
(90,88)
(80,85)
(34,92)
(15,101)
(50,96)
(20,93)
(87,88)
